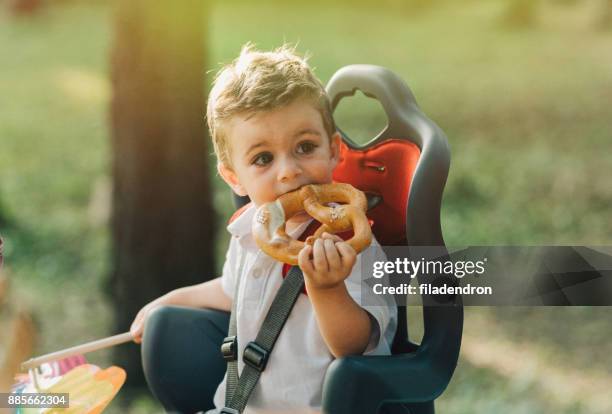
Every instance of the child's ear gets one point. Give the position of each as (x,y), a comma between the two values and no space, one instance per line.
(230,177)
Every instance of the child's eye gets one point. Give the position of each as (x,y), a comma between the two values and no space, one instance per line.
(262,159)
(306,147)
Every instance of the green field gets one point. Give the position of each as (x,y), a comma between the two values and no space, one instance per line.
(527,113)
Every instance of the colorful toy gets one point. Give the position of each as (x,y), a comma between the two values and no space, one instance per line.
(89,387)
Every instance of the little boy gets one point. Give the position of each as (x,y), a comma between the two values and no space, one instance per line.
(273,132)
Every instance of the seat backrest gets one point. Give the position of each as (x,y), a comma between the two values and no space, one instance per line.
(411,155)
(405,169)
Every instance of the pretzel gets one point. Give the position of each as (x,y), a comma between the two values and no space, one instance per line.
(269,220)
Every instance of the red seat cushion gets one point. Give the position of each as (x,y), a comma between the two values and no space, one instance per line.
(386,170)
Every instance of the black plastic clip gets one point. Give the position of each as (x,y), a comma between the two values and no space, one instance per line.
(229,348)
(255,356)
(227,410)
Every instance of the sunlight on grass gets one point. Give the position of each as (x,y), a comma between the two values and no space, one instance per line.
(520,361)
(83,86)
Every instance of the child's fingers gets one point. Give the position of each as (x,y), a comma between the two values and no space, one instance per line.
(304,259)
(137,322)
(319,259)
(333,258)
(333,237)
(348,254)
(138,326)
(135,326)
(136,330)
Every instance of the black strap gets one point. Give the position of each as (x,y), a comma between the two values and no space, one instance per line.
(232,361)
(256,353)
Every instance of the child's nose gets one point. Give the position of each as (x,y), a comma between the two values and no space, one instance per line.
(288,170)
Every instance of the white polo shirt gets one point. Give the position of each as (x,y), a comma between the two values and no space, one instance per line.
(293,378)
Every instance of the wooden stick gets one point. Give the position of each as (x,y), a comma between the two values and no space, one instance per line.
(76,350)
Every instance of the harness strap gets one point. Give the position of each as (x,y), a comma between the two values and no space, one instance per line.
(256,353)
(229,348)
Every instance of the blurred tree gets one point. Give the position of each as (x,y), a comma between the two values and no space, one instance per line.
(23,7)
(605,19)
(520,13)
(162,215)
(2,219)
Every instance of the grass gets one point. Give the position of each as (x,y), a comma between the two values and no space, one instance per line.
(526,112)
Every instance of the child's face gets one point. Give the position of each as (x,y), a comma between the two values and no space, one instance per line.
(278,151)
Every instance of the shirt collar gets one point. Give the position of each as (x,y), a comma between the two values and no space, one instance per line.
(242,224)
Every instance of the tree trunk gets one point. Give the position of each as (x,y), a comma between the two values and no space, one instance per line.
(162,217)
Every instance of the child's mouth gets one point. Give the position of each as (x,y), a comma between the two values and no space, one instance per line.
(295,189)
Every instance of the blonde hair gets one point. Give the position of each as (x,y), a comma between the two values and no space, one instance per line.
(261,81)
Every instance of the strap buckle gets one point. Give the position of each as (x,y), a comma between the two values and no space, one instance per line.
(229,348)
(227,410)
(255,356)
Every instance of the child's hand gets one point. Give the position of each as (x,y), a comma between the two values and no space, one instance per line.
(332,261)
(138,326)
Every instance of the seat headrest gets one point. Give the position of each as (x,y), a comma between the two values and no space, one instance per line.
(384,170)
